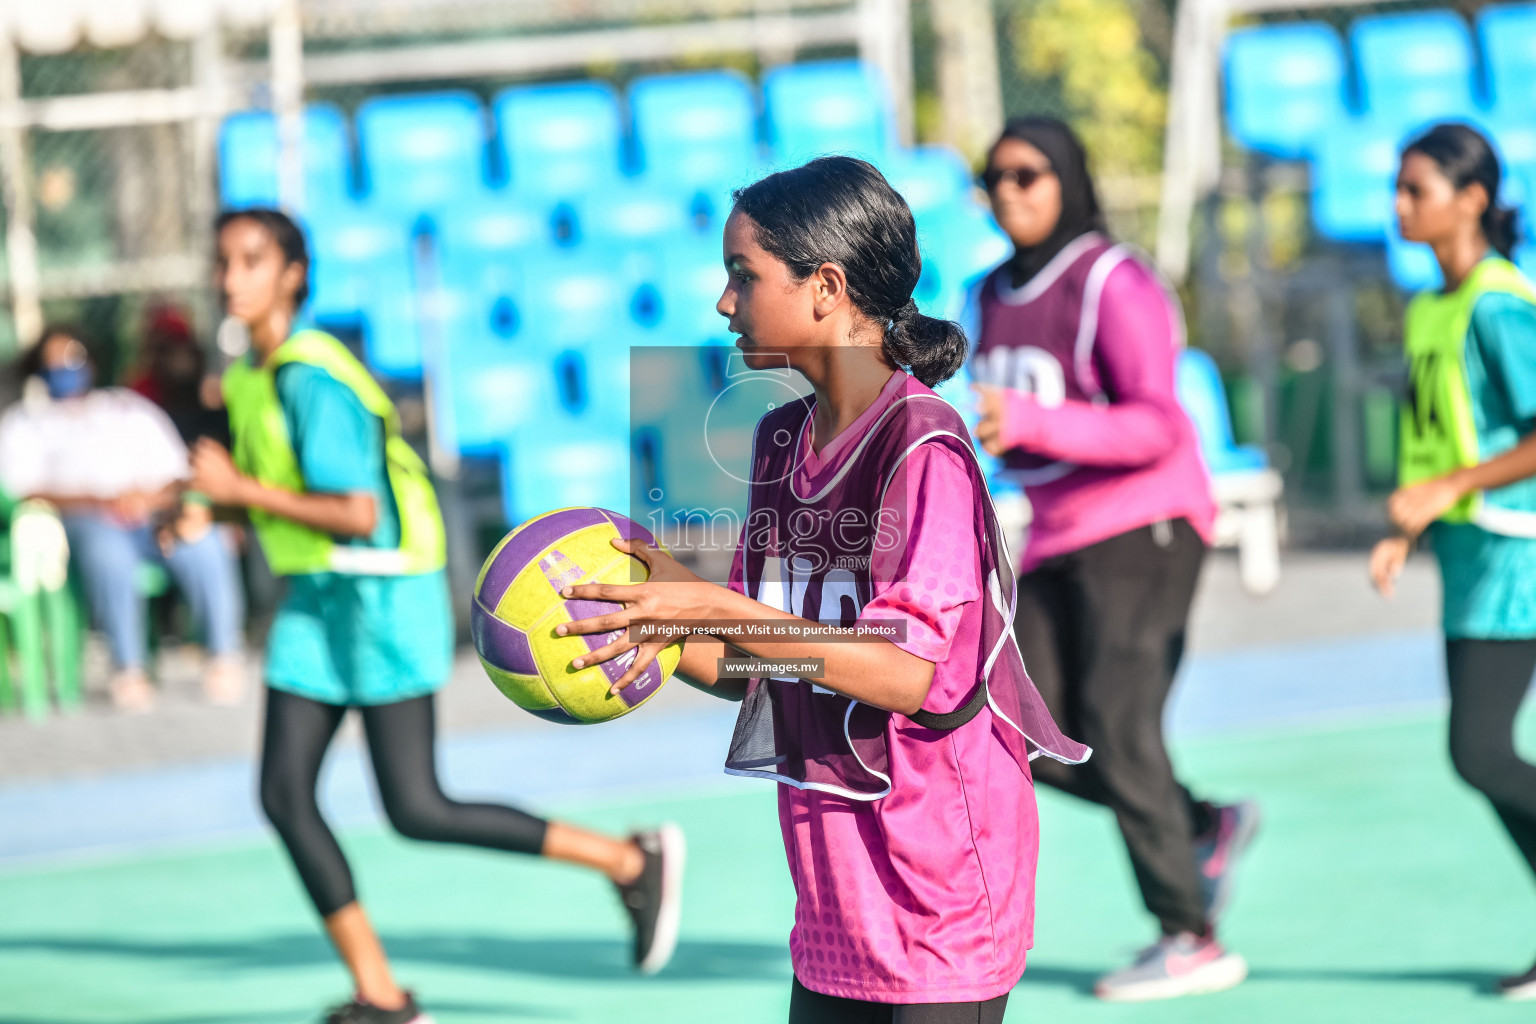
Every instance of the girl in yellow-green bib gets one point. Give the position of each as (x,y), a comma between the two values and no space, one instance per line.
(1468,464)
(345,513)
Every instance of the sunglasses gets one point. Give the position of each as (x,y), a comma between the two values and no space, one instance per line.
(1022,177)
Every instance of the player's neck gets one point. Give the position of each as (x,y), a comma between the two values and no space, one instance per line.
(852,380)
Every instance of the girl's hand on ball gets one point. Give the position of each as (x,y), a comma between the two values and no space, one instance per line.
(671,592)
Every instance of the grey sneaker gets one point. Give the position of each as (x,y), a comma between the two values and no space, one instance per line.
(1176,965)
(655,899)
(1217,851)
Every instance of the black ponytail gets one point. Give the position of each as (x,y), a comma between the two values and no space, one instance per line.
(839,210)
(287,235)
(1466,158)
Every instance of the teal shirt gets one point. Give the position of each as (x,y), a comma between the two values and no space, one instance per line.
(1488,580)
(343,639)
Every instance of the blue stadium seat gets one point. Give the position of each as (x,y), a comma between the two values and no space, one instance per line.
(491,362)
(1353,181)
(1285,86)
(959,243)
(632,214)
(697,129)
(1205,402)
(928,177)
(363,275)
(1414,68)
(559,140)
(691,284)
(577,452)
(1412,264)
(248,151)
(1508,36)
(824,107)
(583,297)
(422,150)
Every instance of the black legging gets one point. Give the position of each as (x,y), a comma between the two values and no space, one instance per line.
(1489,679)
(807,1007)
(401,741)
(1102,632)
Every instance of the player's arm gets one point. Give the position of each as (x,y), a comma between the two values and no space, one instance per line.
(699,667)
(877,673)
(342,515)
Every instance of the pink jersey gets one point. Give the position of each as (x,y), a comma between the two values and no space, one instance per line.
(1087,350)
(926,893)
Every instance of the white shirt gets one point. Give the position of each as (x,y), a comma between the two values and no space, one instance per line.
(104,444)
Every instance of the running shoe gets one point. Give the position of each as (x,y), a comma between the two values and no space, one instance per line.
(1218,849)
(1519,986)
(359,1012)
(655,898)
(1176,965)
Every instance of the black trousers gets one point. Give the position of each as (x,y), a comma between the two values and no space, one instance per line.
(402,742)
(807,1007)
(1102,632)
(1489,680)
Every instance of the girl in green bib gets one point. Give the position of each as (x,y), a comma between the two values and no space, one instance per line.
(346,514)
(1468,464)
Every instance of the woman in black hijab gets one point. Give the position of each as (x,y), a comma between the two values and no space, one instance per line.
(1076,356)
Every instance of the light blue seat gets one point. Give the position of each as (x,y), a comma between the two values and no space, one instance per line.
(928,177)
(490,362)
(960,244)
(422,150)
(1507,33)
(1412,264)
(823,107)
(631,215)
(1354,180)
(1414,68)
(1205,402)
(691,284)
(1285,86)
(363,274)
(559,141)
(577,452)
(248,158)
(577,297)
(696,130)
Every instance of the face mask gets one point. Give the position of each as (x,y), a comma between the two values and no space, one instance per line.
(66,381)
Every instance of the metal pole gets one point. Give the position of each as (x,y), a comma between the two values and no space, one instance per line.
(208,75)
(16,183)
(970,88)
(286,45)
(885,40)
(1191,144)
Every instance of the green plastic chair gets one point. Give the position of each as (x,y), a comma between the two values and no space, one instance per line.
(37,612)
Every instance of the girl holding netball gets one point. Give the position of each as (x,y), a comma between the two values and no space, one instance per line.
(1468,464)
(905,799)
(344,511)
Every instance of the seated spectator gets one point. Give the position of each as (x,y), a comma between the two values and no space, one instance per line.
(113,464)
(173,373)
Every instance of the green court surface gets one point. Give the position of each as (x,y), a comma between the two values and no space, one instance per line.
(1380,889)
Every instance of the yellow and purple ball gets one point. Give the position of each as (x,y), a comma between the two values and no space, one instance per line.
(518,605)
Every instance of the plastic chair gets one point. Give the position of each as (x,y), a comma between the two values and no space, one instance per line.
(248,158)
(822,107)
(696,130)
(1414,68)
(559,141)
(1353,181)
(1247,491)
(1411,264)
(422,150)
(36,610)
(1507,33)
(578,452)
(1284,86)
(577,297)
(363,274)
(959,244)
(630,215)
(929,177)
(691,285)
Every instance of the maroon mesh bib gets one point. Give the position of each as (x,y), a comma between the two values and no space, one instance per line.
(811,556)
